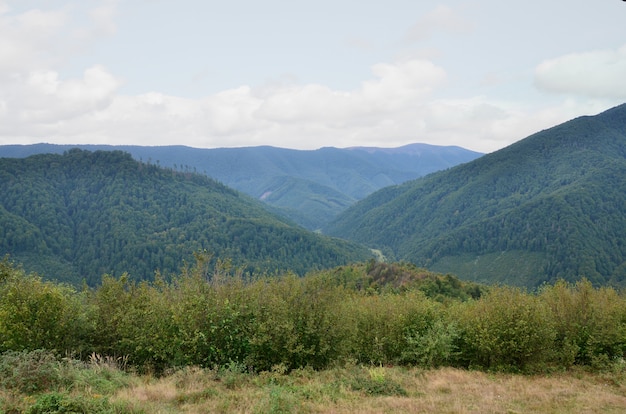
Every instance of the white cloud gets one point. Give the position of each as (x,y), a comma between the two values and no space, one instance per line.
(103,17)
(40,103)
(396,106)
(28,40)
(442,18)
(596,74)
(401,102)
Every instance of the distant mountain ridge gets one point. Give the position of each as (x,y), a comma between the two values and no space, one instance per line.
(550,206)
(309,187)
(79,215)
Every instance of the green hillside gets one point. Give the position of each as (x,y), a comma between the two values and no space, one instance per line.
(308,187)
(550,206)
(82,214)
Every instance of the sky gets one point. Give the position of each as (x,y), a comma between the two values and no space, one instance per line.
(479,74)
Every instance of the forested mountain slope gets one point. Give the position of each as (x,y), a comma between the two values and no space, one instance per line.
(82,214)
(550,206)
(309,187)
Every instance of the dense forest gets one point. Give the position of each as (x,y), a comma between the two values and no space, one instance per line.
(76,216)
(547,207)
(308,187)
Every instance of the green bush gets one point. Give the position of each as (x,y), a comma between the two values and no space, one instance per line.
(590,323)
(30,371)
(507,329)
(61,403)
(297,323)
(431,347)
(390,325)
(134,320)
(287,322)
(36,314)
(376,383)
(212,318)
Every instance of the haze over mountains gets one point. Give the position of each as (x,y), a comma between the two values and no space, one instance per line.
(309,187)
(550,206)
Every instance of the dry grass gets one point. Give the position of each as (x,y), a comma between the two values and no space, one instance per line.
(445,390)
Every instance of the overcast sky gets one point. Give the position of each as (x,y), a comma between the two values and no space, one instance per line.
(480,74)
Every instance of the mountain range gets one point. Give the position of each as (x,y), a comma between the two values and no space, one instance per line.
(550,206)
(82,214)
(308,187)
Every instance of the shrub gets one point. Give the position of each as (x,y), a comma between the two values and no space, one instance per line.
(30,371)
(297,323)
(507,329)
(134,320)
(61,403)
(36,314)
(590,323)
(431,347)
(212,318)
(376,383)
(388,327)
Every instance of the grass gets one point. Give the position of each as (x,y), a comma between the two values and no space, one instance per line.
(349,389)
(378,390)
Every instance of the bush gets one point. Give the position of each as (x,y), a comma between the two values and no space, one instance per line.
(390,326)
(297,323)
(505,330)
(35,314)
(30,371)
(431,347)
(212,318)
(376,383)
(590,323)
(61,403)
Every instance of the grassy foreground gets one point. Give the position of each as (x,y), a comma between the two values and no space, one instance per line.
(101,387)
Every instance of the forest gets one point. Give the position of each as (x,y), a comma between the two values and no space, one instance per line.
(308,187)
(76,216)
(555,199)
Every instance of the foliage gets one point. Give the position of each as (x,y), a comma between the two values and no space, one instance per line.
(555,198)
(38,314)
(79,215)
(62,403)
(377,383)
(506,330)
(219,319)
(309,187)
(29,372)
(590,323)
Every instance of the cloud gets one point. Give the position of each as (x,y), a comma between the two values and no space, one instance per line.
(43,39)
(397,105)
(596,74)
(40,103)
(401,102)
(443,18)
(28,40)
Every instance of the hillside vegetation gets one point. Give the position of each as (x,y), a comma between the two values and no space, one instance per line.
(76,216)
(547,207)
(353,338)
(371,314)
(308,187)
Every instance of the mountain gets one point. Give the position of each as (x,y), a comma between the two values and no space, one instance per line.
(82,214)
(309,187)
(550,206)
